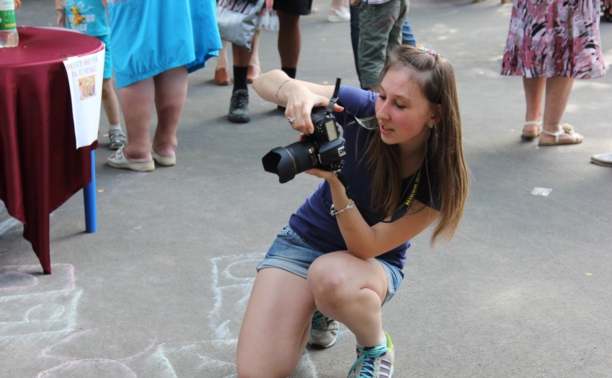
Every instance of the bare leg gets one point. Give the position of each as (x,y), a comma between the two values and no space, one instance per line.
(137,104)
(242,56)
(110,102)
(255,50)
(558,91)
(222,71)
(351,291)
(280,304)
(534,96)
(170,95)
(254,65)
(289,39)
(222,58)
(341,5)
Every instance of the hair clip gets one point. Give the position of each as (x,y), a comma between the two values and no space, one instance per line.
(429,51)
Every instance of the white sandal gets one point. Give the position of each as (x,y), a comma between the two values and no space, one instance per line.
(532,134)
(118,160)
(166,161)
(565,129)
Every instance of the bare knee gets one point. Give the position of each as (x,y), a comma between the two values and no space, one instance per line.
(328,283)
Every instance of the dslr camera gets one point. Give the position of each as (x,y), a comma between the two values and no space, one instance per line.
(323,149)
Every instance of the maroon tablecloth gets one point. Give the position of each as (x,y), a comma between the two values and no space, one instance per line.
(40,167)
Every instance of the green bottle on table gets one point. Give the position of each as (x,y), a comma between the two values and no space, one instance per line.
(8,25)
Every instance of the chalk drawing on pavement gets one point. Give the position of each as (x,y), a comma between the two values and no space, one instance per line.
(32,306)
(37,310)
(98,368)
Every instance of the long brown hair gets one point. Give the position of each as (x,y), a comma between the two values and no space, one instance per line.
(444,161)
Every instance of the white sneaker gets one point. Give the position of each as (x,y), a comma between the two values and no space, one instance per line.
(324,331)
(336,15)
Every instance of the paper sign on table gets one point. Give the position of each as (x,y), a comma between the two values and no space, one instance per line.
(85,74)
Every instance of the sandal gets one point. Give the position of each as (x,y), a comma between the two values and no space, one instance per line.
(117,140)
(166,161)
(533,134)
(565,129)
(118,160)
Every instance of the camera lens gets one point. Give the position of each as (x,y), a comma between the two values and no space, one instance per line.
(288,161)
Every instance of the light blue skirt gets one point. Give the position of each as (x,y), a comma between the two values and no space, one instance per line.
(153,36)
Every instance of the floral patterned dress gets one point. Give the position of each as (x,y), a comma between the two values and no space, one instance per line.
(549,38)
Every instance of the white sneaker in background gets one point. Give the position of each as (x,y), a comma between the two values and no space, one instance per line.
(336,15)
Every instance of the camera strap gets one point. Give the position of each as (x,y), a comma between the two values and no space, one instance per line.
(334,99)
(407,203)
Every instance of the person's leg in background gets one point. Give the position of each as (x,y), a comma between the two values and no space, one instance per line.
(222,75)
(170,95)
(395,34)
(354,9)
(111,108)
(534,100)
(239,103)
(290,34)
(339,11)
(110,101)
(289,41)
(407,36)
(254,64)
(379,31)
(167,91)
(558,90)
(137,102)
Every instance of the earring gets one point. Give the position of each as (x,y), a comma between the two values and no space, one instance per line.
(431,126)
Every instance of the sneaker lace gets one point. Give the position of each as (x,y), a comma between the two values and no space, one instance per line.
(240,100)
(320,321)
(368,357)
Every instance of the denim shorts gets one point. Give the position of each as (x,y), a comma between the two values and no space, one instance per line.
(293,254)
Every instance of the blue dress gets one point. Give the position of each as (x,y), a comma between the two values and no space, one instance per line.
(153,36)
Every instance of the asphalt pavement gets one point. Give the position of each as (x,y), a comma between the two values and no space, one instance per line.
(523,290)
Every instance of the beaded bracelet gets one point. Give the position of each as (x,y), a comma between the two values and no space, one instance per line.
(333,211)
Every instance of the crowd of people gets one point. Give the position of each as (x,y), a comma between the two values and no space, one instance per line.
(340,257)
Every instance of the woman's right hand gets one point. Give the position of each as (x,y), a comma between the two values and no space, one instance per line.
(298,97)
(299,107)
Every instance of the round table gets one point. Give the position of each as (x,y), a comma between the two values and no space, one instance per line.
(40,167)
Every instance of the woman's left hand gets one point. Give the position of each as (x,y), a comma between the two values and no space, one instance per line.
(327,175)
